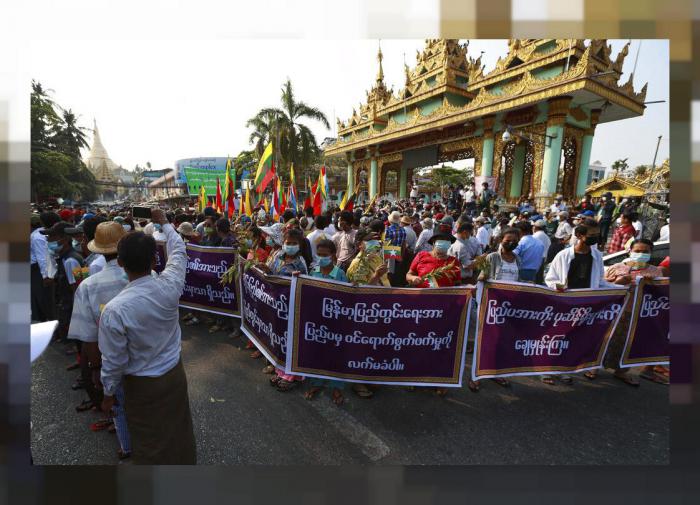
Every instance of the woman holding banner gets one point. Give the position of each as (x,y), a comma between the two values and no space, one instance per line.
(286,262)
(625,273)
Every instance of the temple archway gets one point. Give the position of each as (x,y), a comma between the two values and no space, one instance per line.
(566,178)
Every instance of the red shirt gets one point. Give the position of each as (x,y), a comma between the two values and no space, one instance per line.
(425,262)
(620,238)
(666,263)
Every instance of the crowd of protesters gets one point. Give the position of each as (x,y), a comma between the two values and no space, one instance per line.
(93,272)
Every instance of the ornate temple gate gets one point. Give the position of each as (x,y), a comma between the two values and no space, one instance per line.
(548,93)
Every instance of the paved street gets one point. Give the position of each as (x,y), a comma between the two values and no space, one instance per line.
(240,419)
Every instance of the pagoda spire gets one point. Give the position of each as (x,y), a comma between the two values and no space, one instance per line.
(380,56)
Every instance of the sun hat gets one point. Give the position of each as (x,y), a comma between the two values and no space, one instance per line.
(107,237)
(395,217)
(540,223)
(441,236)
(185,229)
(427,223)
(406,220)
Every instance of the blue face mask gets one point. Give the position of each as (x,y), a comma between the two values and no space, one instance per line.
(291,250)
(640,257)
(324,261)
(157,227)
(76,245)
(442,245)
(269,241)
(54,247)
(372,245)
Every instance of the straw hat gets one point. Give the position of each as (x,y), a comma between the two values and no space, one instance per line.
(185,229)
(406,220)
(107,237)
(395,217)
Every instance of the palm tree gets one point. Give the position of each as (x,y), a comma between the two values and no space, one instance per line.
(619,166)
(70,137)
(297,143)
(43,118)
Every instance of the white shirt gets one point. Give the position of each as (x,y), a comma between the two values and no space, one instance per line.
(559,269)
(422,242)
(564,229)
(469,196)
(38,250)
(465,251)
(91,297)
(314,238)
(483,235)
(411,238)
(664,233)
(509,271)
(96,264)
(139,331)
(638,229)
(330,230)
(546,241)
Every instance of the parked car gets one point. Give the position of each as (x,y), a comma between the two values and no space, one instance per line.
(661,250)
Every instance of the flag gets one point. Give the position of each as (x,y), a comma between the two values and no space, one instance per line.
(344,200)
(229,189)
(348,201)
(202,198)
(266,170)
(371,202)
(292,189)
(248,206)
(322,183)
(283,198)
(266,204)
(219,207)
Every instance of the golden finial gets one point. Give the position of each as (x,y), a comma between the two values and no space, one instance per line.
(380,74)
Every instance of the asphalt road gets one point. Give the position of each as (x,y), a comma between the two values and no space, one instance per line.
(239,419)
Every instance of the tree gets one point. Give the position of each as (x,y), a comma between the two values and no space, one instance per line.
(245,160)
(43,118)
(69,137)
(640,171)
(619,166)
(448,176)
(296,143)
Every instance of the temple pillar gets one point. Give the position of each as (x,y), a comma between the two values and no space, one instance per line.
(586,145)
(487,147)
(351,174)
(403,181)
(373,173)
(558,110)
(516,179)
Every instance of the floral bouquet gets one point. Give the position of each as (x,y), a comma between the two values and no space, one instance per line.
(483,265)
(446,271)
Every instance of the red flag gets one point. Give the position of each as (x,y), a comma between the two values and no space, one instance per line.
(219,206)
(231,204)
(269,175)
(317,203)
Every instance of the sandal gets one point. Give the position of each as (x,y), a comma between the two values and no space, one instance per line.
(441,392)
(566,379)
(501,382)
(547,379)
(311,393)
(473,386)
(112,429)
(192,322)
(362,391)
(215,328)
(77,385)
(269,369)
(72,366)
(284,385)
(590,375)
(337,396)
(627,380)
(654,378)
(187,316)
(101,425)
(256,354)
(274,380)
(85,406)
(249,345)
(123,455)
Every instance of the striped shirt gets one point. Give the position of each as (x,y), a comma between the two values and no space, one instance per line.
(395,235)
(90,297)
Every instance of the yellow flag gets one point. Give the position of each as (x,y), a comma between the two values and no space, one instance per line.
(202,198)
(248,207)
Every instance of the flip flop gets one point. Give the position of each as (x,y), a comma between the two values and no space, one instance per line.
(549,380)
(85,406)
(501,382)
(473,386)
(101,425)
(284,385)
(590,375)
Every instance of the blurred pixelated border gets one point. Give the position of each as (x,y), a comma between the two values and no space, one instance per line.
(677,20)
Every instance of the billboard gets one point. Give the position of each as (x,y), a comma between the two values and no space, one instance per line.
(210,163)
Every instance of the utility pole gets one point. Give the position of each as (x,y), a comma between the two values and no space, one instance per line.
(653,164)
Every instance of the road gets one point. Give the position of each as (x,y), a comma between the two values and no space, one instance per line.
(239,419)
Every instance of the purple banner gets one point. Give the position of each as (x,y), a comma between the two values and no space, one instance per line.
(203,289)
(648,336)
(264,312)
(524,329)
(377,334)
(161,256)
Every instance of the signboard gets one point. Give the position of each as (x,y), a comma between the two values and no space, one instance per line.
(216,164)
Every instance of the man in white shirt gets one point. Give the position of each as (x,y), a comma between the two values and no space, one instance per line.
(422,242)
(140,339)
(558,205)
(540,235)
(317,235)
(465,249)
(42,290)
(411,238)
(665,232)
(483,233)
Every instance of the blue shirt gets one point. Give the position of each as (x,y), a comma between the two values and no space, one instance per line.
(336,274)
(530,251)
(395,234)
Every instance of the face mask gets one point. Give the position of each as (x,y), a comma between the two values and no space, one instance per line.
(157,227)
(291,250)
(54,247)
(509,246)
(372,245)
(76,245)
(640,257)
(127,227)
(591,240)
(269,241)
(442,245)
(324,261)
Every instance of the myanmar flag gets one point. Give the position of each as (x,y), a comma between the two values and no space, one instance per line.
(229,189)
(292,189)
(219,206)
(266,170)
